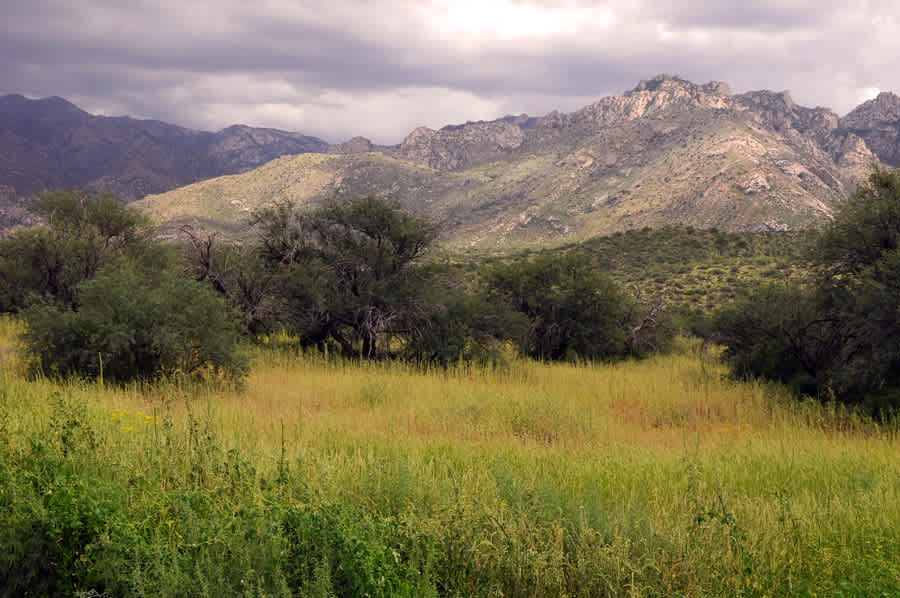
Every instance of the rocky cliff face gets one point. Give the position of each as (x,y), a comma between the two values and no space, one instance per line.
(814,131)
(451,148)
(659,94)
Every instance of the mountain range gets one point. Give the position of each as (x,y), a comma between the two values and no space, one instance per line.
(51,143)
(668,151)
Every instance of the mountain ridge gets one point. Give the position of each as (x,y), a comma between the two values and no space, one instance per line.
(51,143)
(666,151)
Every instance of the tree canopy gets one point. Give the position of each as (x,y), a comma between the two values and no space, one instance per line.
(350,272)
(571,308)
(101,297)
(129,325)
(82,232)
(838,337)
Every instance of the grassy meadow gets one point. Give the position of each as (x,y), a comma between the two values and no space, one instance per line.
(323,477)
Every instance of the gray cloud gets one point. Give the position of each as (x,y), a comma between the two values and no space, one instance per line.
(381,68)
(759,15)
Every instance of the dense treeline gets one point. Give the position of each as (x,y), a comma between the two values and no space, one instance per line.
(356,276)
(102,298)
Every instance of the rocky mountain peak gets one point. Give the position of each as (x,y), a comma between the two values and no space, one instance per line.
(419,136)
(657,83)
(521,120)
(673,83)
(779,101)
(20,114)
(883,108)
(240,147)
(654,96)
(778,111)
(51,143)
(886,99)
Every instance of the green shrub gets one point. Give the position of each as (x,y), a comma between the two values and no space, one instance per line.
(55,528)
(838,338)
(128,326)
(773,333)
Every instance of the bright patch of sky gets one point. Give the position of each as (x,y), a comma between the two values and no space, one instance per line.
(475,20)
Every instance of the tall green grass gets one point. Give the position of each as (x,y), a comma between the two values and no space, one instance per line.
(330,478)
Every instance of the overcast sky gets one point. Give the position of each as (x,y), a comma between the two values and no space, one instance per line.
(338,68)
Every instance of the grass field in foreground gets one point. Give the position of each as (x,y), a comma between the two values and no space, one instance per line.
(322,478)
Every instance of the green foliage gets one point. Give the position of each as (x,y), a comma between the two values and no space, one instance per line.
(865,226)
(334,551)
(777,332)
(869,305)
(353,274)
(83,232)
(237,273)
(128,326)
(837,338)
(349,271)
(572,310)
(697,269)
(462,325)
(57,534)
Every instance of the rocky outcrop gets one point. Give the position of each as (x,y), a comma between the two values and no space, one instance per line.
(816,131)
(356,145)
(853,152)
(657,95)
(877,122)
(664,93)
(523,121)
(777,111)
(461,146)
(755,182)
(676,85)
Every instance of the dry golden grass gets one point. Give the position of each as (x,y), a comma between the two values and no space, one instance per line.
(656,474)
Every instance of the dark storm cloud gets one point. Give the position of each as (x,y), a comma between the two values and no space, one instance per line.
(380,68)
